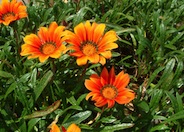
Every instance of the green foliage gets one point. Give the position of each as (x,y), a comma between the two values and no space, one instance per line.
(151,50)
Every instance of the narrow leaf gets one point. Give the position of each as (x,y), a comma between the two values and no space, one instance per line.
(43,83)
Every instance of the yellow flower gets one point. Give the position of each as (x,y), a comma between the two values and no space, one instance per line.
(90,43)
(108,88)
(48,43)
(11,11)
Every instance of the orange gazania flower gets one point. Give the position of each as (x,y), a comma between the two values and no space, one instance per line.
(72,128)
(109,88)
(90,43)
(11,11)
(47,44)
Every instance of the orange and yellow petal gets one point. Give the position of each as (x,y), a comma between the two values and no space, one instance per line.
(32,40)
(104,76)
(80,32)
(106,54)
(82,60)
(109,37)
(54,128)
(73,128)
(90,85)
(112,76)
(121,80)
(98,32)
(110,103)
(125,96)
(94,58)
(102,60)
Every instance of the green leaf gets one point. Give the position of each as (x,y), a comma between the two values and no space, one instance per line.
(80,15)
(77,118)
(144,106)
(47,14)
(117,127)
(109,119)
(5,74)
(42,84)
(10,89)
(156,95)
(32,123)
(177,116)
(159,127)
(167,72)
(179,102)
(74,107)
(154,75)
(115,54)
(8,119)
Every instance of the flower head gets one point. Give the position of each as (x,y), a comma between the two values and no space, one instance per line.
(90,43)
(109,88)
(11,11)
(48,43)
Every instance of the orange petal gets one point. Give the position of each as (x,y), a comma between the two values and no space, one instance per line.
(112,76)
(88,30)
(109,46)
(54,128)
(33,40)
(121,80)
(109,37)
(94,58)
(102,60)
(56,54)
(43,58)
(98,32)
(73,39)
(51,30)
(110,103)
(80,31)
(82,60)
(101,103)
(104,76)
(90,85)
(125,97)
(90,95)
(106,54)
(76,54)
(96,79)
(43,34)
(73,128)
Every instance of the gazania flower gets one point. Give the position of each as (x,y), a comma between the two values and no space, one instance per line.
(90,43)
(47,44)
(109,88)
(72,128)
(11,11)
